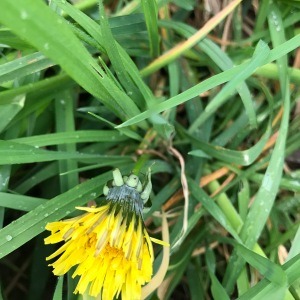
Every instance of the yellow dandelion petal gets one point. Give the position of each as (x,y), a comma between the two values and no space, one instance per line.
(109,245)
(92,209)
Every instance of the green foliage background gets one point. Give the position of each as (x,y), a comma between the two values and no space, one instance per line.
(87,87)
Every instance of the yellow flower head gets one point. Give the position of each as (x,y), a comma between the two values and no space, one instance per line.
(109,244)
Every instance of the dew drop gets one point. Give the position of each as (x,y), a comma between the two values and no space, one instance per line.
(46,215)
(62,102)
(24,15)
(93,195)
(46,46)
(67,212)
(8,238)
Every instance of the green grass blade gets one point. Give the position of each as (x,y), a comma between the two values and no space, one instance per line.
(244,158)
(20,202)
(210,83)
(268,269)
(265,197)
(212,208)
(72,137)
(150,12)
(11,109)
(58,293)
(95,32)
(23,66)
(15,153)
(64,119)
(26,17)
(259,57)
(221,59)
(113,52)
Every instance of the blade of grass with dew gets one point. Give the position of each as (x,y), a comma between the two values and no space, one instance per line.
(20,202)
(23,66)
(112,51)
(265,197)
(210,83)
(26,17)
(72,137)
(150,12)
(5,173)
(64,121)
(96,32)
(160,124)
(58,293)
(38,90)
(15,153)
(11,109)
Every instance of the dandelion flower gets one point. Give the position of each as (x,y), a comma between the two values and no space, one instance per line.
(109,244)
